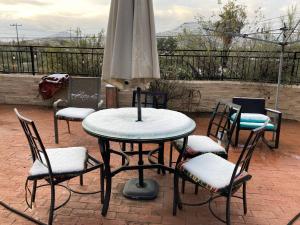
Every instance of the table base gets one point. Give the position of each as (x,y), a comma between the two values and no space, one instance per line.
(132,189)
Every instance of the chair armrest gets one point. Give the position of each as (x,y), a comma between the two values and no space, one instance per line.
(276,117)
(273,111)
(100,104)
(59,103)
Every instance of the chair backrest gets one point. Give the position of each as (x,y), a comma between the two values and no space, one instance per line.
(220,126)
(151,99)
(243,162)
(36,145)
(250,105)
(84,92)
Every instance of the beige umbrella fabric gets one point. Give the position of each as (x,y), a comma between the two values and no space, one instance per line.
(130,53)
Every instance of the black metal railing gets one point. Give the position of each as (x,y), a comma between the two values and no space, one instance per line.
(254,66)
(47,60)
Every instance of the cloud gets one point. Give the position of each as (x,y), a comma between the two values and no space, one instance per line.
(92,15)
(27,2)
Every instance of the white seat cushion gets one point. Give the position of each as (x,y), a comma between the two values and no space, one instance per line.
(198,144)
(210,171)
(74,112)
(62,160)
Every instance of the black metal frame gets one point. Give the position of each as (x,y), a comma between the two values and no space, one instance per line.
(106,151)
(219,127)
(198,64)
(37,148)
(228,192)
(257,105)
(59,104)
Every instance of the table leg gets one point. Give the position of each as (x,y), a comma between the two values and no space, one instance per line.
(104,150)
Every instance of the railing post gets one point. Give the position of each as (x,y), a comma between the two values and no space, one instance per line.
(32,60)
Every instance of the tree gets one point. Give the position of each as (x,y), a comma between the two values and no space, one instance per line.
(232,20)
(167,45)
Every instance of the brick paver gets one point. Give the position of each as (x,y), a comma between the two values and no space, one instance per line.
(273,193)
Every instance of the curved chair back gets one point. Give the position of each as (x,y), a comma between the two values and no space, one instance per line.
(220,127)
(84,92)
(36,145)
(151,99)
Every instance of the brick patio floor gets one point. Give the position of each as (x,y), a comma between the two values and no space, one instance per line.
(273,193)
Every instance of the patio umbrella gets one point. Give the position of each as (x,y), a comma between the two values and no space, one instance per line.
(130,55)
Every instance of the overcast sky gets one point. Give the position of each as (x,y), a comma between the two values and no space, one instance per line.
(40,17)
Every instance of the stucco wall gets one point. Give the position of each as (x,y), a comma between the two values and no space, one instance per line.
(23,89)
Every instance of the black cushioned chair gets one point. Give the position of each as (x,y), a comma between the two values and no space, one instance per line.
(221,178)
(83,99)
(217,139)
(55,166)
(218,136)
(254,114)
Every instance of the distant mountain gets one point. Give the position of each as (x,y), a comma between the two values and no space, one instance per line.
(59,35)
(192,27)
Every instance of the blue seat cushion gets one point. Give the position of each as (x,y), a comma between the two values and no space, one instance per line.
(250,126)
(252,117)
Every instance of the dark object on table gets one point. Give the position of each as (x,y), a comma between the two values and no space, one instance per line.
(51,84)
(54,166)
(219,176)
(254,114)
(217,139)
(83,99)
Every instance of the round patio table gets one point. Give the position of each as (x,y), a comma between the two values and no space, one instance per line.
(121,125)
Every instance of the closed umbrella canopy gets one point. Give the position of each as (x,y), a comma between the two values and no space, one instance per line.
(130,50)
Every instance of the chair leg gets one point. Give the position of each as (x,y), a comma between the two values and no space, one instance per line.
(228,200)
(107,196)
(52,205)
(102,183)
(196,189)
(277,134)
(161,158)
(33,191)
(182,186)
(175,193)
(68,123)
(131,147)
(81,180)
(237,133)
(171,155)
(56,129)
(245,198)
(123,149)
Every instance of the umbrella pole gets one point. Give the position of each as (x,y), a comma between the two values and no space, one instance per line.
(279,76)
(139,107)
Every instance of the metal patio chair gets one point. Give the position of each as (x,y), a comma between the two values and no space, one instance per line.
(217,139)
(254,114)
(83,99)
(221,178)
(55,166)
(149,99)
